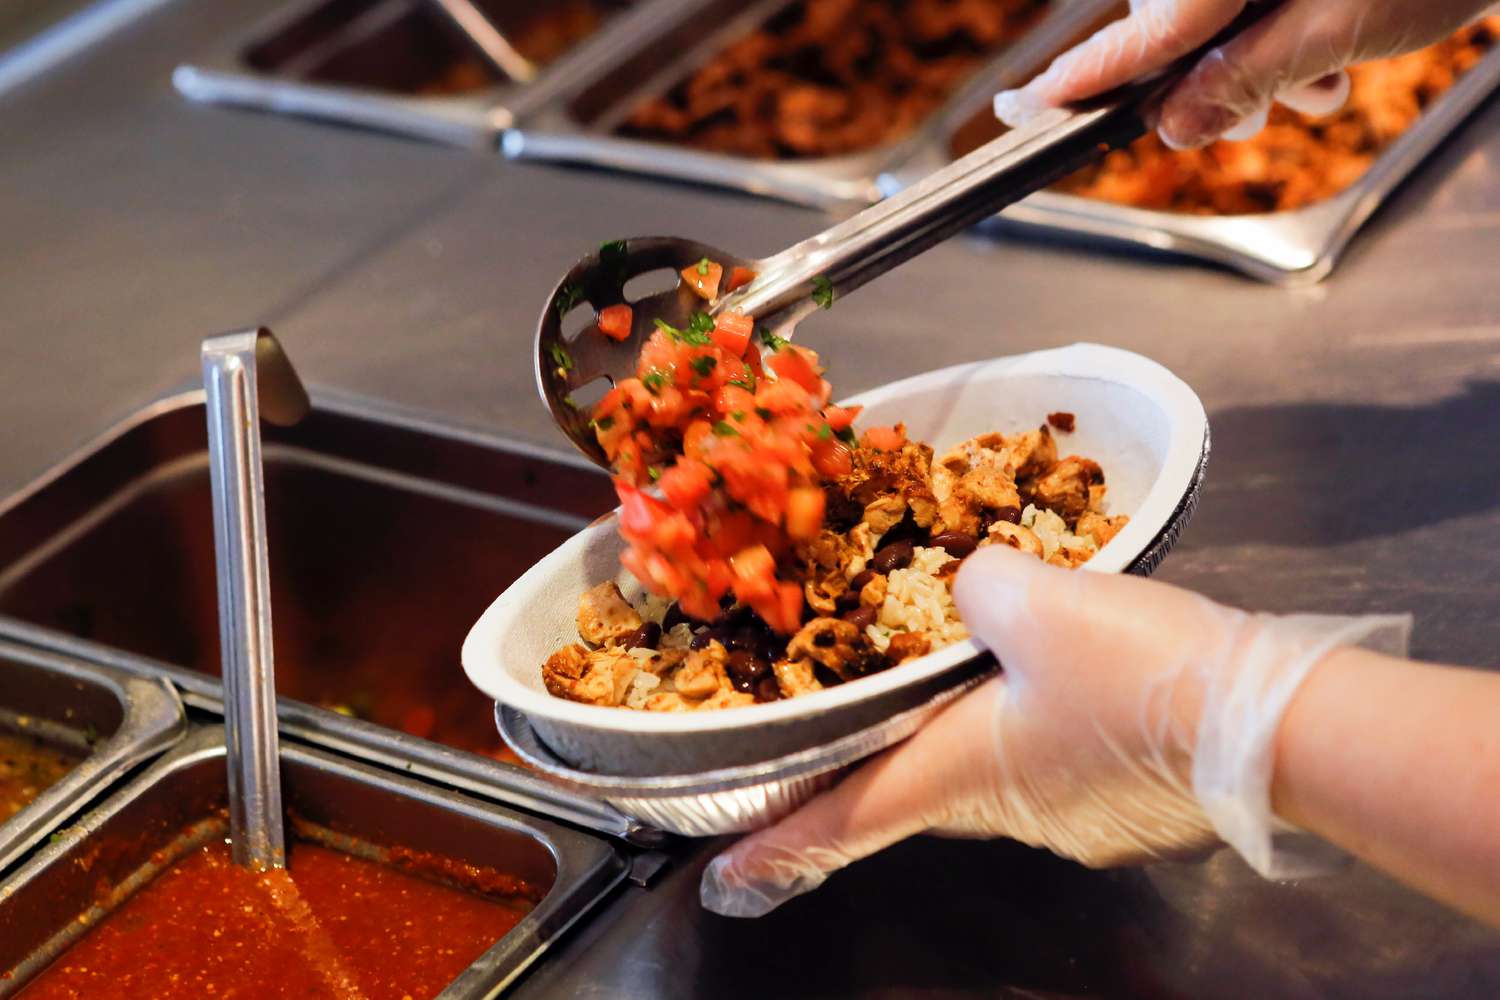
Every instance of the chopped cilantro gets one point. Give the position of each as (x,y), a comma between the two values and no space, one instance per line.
(822,292)
(654,380)
(723,428)
(763,413)
(704,364)
(701,323)
(667,328)
(738,416)
(568,296)
(603,423)
(770,339)
(560,357)
(825,433)
(703,267)
(747,383)
(653,472)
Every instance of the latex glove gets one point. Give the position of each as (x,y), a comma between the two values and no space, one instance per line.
(1134,721)
(1295,54)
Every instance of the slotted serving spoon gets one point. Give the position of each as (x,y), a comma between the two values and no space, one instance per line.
(790,285)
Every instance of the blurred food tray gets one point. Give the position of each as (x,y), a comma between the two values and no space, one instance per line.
(746,96)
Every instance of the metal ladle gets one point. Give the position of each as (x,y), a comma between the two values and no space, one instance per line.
(789,285)
(247,376)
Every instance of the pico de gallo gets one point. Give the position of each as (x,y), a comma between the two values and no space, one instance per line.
(738,445)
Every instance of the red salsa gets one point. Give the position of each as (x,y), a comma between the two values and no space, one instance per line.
(333,926)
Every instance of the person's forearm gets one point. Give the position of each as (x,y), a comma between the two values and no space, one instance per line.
(1399,763)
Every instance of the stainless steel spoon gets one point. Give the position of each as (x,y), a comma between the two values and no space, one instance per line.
(247,376)
(793,283)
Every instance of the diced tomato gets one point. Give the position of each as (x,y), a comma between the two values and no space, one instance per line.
(703,278)
(884,438)
(731,399)
(732,332)
(739,277)
(799,365)
(615,321)
(832,459)
(804,512)
(698,439)
(840,418)
(685,485)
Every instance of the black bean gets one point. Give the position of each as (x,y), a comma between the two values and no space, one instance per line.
(703,638)
(847,601)
(858,583)
(648,636)
(766,689)
(745,669)
(1011,515)
(747,638)
(896,555)
(673,617)
(958,544)
(861,618)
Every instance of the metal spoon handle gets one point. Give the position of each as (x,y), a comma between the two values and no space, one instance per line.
(941,205)
(969,189)
(237,396)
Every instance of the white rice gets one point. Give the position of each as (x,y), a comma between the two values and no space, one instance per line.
(917,601)
(641,687)
(1052,531)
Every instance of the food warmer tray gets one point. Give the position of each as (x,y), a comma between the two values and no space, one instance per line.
(227,74)
(115,721)
(177,803)
(568,113)
(1293,248)
(155,450)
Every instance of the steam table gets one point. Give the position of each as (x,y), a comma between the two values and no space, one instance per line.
(1356,468)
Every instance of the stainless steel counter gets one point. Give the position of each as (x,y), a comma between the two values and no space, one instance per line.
(1356,466)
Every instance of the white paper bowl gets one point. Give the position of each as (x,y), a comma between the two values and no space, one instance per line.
(1139,421)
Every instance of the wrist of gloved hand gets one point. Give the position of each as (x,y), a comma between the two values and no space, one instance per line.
(1241,713)
(1135,721)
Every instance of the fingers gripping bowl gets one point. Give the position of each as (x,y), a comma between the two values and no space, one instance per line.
(1140,422)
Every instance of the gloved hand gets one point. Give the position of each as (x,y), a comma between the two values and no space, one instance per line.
(1134,721)
(1295,55)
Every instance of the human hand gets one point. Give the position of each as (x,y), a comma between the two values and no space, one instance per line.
(1134,721)
(1296,55)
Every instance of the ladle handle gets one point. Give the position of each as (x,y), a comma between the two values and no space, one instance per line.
(955,197)
(233,402)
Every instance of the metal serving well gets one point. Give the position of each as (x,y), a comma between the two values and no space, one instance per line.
(1293,248)
(111,720)
(388,538)
(176,805)
(1289,248)
(389,64)
(571,110)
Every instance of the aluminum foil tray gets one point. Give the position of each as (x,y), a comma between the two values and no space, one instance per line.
(731,799)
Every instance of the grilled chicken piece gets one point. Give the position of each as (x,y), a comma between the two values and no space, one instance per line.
(604,616)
